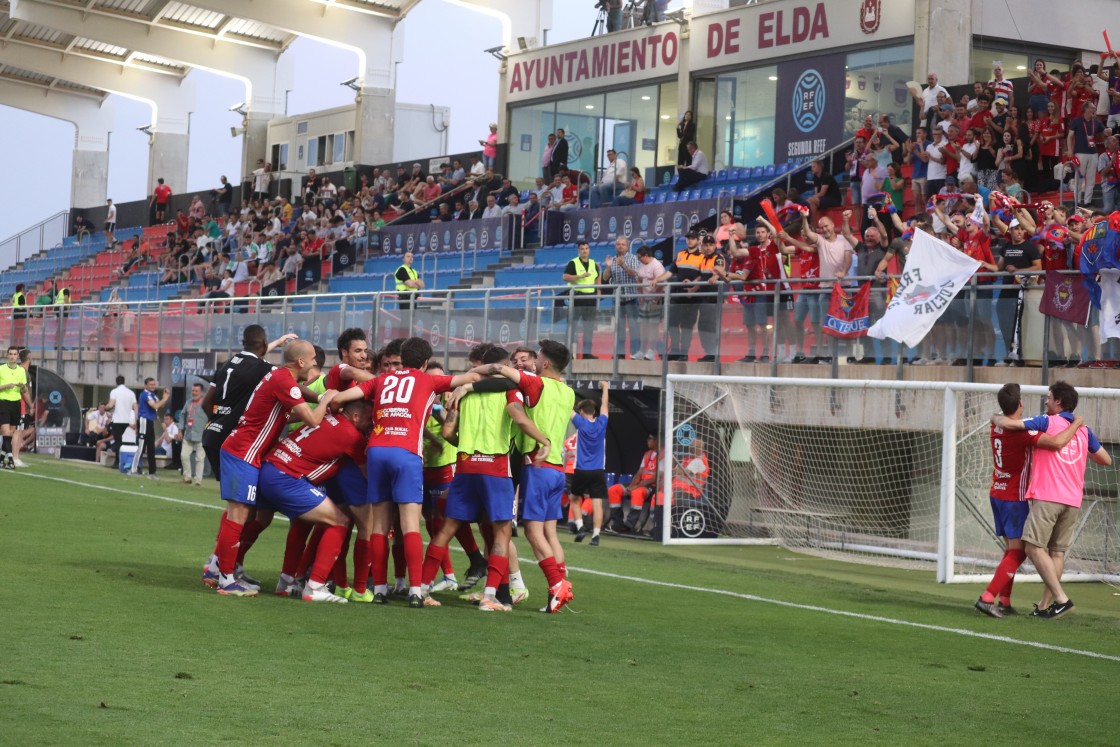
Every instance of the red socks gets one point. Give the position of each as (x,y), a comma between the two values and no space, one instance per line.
(229,535)
(330,548)
(341,581)
(1004,577)
(249,535)
(433,559)
(398,556)
(361,565)
(309,551)
(552,573)
(414,557)
(379,558)
(298,533)
(465,535)
(225,515)
(498,571)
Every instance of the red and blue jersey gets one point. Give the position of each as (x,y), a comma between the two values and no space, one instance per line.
(265,416)
(1011,460)
(335,380)
(317,452)
(402,401)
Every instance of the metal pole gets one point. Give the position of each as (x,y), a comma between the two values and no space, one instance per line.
(970,352)
(447,330)
(665,333)
(139,326)
(777,305)
(619,332)
(719,324)
(1046,350)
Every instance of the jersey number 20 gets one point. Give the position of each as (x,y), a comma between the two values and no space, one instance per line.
(397,390)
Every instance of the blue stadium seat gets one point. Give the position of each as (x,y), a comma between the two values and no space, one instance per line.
(720,176)
(756,172)
(707,193)
(768,172)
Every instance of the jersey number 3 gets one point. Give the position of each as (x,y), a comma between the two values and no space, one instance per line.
(397,390)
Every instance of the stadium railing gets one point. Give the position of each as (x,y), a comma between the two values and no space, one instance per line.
(27,243)
(524,312)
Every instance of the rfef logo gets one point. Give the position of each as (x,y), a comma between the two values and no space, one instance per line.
(809,101)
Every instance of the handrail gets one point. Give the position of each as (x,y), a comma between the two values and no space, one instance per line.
(427,205)
(11,248)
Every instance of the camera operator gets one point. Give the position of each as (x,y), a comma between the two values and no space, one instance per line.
(614,13)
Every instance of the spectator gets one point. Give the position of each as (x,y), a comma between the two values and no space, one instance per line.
(268,274)
(546,157)
(1017,256)
(582,274)
(569,194)
(170,437)
(693,172)
(1051,137)
(532,219)
(110,223)
(999,84)
(135,259)
(938,170)
(612,181)
(635,192)
(853,160)
(1110,174)
(225,290)
(293,262)
(750,264)
(474,212)
(1085,132)
(490,147)
(224,196)
(650,271)
(559,154)
(192,424)
(1038,89)
(622,272)
(82,227)
(160,195)
(492,210)
(893,134)
(826,194)
(506,191)
(513,208)
(686,133)
(262,179)
(614,15)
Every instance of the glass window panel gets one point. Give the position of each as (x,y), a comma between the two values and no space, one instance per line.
(582,120)
(529,127)
(630,127)
(876,84)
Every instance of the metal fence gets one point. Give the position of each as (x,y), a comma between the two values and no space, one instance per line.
(31,241)
(707,326)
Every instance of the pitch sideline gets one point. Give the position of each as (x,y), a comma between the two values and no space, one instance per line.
(685,587)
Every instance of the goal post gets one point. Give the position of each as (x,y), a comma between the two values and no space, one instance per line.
(882,472)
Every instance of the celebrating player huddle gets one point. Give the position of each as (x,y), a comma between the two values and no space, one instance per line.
(358,456)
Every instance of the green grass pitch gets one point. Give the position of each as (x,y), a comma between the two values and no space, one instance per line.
(108,638)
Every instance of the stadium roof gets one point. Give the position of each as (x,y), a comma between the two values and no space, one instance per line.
(162,13)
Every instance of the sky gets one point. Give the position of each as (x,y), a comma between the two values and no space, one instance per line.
(459,75)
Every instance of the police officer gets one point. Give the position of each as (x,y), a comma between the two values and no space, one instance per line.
(583,275)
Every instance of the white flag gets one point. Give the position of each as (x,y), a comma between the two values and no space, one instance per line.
(1110,304)
(935,272)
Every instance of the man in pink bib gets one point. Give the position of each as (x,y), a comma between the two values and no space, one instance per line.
(1056,488)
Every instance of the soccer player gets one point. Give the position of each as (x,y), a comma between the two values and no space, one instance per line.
(277,395)
(13,390)
(354,360)
(590,477)
(483,484)
(548,403)
(640,491)
(1011,458)
(290,481)
(1056,488)
(440,456)
(402,401)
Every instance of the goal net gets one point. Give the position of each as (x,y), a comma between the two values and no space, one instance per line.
(881,472)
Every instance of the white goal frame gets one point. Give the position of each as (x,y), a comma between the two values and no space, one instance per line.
(946,540)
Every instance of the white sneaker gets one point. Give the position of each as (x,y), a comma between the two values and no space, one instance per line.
(650,355)
(19,463)
(314,592)
(447,583)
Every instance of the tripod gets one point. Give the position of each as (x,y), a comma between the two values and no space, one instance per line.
(600,22)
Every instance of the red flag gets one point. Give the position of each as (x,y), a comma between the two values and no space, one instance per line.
(848,313)
(1065,297)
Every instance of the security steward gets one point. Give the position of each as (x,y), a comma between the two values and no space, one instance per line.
(408,282)
(683,309)
(583,275)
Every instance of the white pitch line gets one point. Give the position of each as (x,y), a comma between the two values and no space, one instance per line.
(668,584)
